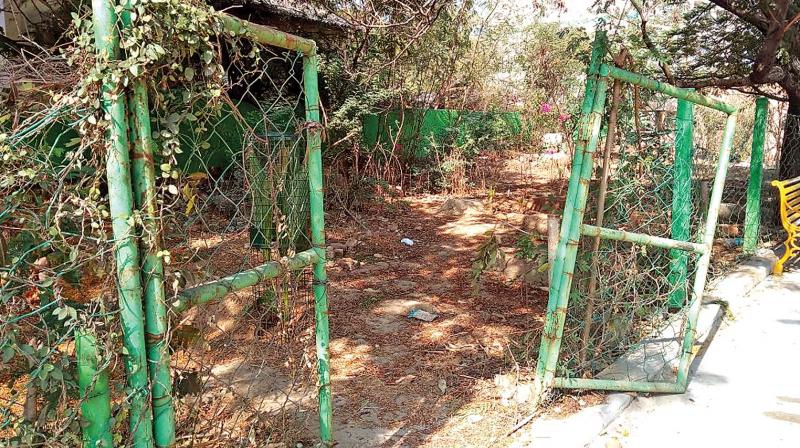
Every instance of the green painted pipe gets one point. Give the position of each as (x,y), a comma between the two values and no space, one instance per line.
(126,252)
(681,201)
(267,35)
(641,238)
(628,386)
(95,396)
(270,36)
(207,292)
(316,195)
(705,259)
(155,309)
(752,217)
(668,89)
(578,207)
(598,53)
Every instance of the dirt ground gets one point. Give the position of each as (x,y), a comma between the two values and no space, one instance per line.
(463,379)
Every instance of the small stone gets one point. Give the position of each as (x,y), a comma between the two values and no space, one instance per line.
(523,393)
(351,244)
(405,379)
(347,263)
(405,285)
(474,418)
(535,223)
(458,206)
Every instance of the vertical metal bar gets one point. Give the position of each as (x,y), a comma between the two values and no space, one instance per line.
(752,218)
(598,53)
(681,201)
(705,259)
(126,252)
(155,310)
(95,398)
(313,147)
(569,245)
(611,135)
(574,236)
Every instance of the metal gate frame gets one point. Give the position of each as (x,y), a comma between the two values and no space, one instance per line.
(143,304)
(572,226)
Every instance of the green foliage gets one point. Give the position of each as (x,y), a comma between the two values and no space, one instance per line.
(486,257)
(528,248)
(554,62)
(54,214)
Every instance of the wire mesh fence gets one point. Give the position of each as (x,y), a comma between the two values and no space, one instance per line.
(625,295)
(231,202)
(628,277)
(246,368)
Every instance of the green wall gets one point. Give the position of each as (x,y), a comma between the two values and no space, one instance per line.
(423,130)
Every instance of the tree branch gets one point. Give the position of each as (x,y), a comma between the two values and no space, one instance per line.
(648,42)
(765,59)
(758,20)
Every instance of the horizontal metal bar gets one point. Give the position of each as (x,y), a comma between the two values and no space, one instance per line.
(619,385)
(219,288)
(641,238)
(269,36)
(668,89)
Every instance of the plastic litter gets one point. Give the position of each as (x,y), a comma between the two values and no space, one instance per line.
(732,242)
(422,315)
(407,241)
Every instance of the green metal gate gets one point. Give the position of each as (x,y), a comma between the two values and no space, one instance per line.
(144,305)
(675,254)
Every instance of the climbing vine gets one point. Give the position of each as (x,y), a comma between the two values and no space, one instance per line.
(56,249)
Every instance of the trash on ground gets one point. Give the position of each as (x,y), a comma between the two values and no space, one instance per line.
(407,241)
(732,242)
(423,315)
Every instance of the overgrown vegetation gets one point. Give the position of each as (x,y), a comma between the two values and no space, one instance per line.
(485,60)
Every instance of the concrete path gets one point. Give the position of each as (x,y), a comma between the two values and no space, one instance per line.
(746,389)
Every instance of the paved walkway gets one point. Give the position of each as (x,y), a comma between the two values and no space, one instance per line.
(746,390)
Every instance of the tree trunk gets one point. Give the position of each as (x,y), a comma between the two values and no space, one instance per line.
(789,165)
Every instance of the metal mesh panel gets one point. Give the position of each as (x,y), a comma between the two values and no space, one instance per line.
(232,194)
(621,291)
(245,370)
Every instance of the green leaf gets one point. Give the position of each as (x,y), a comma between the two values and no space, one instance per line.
(188,73)
(8,353)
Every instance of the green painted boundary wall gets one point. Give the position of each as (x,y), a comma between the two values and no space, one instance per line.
(419,131)
(226,135)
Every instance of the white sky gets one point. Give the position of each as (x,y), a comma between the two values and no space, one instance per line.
(577,13)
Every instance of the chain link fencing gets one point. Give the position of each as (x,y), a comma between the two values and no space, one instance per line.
(232,206)
(244,363)
(624,293)
(638,234)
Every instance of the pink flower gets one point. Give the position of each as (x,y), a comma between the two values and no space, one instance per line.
(545,108)
(563,117)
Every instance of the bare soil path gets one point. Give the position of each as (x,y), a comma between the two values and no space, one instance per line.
(402,382)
